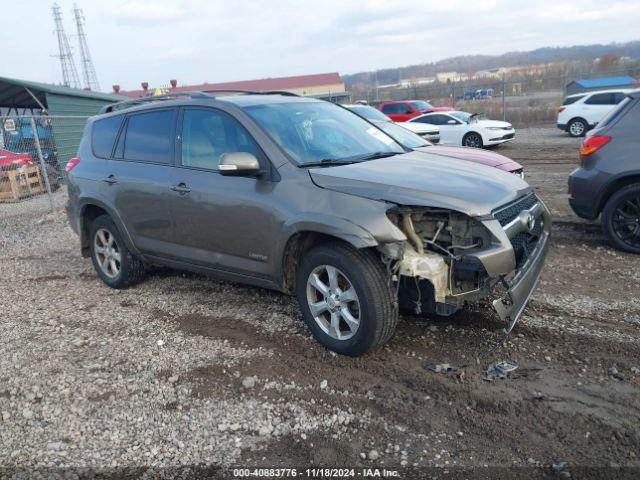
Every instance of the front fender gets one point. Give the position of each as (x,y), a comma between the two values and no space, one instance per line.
(328,225)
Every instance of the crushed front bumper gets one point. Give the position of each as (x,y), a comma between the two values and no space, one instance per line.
(520,285)
(519,289)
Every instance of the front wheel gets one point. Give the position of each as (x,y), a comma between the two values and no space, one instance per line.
(346,298)
(472,139)
(621,218)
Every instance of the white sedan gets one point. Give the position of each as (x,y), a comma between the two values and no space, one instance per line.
(468,130)
(426,131)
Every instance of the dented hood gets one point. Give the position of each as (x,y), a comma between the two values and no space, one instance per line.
(424,179)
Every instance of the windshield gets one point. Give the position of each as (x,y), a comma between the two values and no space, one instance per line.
(315,132)
(403,136)
(369,113)
(422,106)
(463,116)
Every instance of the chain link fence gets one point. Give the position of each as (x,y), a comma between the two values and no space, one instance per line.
(34,151)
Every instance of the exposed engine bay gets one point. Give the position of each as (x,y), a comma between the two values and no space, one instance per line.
(435,273)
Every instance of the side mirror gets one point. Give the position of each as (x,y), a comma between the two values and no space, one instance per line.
(238,164)
(452,122)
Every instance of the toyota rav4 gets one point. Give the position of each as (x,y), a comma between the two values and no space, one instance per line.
(302,196)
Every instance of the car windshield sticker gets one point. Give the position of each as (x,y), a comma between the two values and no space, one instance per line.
(379,135)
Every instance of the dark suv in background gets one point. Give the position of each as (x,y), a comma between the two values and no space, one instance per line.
(305,197)
(607,182)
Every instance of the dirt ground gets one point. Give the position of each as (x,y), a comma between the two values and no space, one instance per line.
(223,374)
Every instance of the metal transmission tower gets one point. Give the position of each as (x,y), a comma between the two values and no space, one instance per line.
(88,70)
(69,73)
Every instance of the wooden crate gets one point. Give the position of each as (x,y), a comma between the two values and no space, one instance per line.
(23,182)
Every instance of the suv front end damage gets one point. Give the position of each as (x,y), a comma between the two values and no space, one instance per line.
(450,258)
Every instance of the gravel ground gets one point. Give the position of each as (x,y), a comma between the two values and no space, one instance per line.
(185,370)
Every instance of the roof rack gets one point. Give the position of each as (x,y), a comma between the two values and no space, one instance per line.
(150,99)
(192,94)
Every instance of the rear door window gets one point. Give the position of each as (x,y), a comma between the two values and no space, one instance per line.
(149,136)
(601,99)
(103,135)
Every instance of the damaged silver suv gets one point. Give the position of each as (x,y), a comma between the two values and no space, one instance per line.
(304,197)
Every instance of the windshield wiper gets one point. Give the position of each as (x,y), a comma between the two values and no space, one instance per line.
(327,162)
(375,155)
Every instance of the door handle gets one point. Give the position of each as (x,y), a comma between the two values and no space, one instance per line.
(181,188)
(111,179)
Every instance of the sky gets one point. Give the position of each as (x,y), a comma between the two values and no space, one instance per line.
(197,41)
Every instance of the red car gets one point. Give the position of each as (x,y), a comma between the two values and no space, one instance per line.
(10,160)
(405,110)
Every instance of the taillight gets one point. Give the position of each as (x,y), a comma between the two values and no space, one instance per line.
(561,109)
(593,144)
(72,163)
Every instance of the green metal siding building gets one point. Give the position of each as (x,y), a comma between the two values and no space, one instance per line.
(69,106)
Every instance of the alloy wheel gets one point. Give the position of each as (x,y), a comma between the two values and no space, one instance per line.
(626,221)
(576,129)
(473,140)
(333,302)
(107,253)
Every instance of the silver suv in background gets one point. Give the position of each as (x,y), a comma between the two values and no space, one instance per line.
(304,197)
(607,182)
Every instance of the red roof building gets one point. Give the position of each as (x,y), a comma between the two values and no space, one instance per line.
(321,85)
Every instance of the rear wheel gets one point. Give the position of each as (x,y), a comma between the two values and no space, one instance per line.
(577,127)
(112,260)
(472,139)
(346,299)
(621,219)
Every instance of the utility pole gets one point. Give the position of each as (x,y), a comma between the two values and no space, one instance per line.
(504,87)
(88,70)
(69,72)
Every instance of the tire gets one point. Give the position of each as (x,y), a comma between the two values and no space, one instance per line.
(472,139)
(577,127)
(621,219)
(374,307)
(122,269)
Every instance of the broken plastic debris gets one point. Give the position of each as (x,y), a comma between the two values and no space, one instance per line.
(500,370)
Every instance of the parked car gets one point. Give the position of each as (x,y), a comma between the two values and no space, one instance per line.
(412,141)
(582,111)
(403,111)
(302,196)
(431,133)
(607,182)
(468,130)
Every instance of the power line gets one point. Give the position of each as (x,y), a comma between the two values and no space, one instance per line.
(69,73)
(88,70)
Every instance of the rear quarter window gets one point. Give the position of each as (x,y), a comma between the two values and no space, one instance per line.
(570,100)
(103,135)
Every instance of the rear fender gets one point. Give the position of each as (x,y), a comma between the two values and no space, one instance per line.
(85,202)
